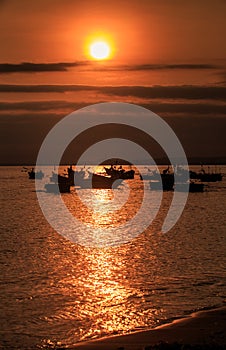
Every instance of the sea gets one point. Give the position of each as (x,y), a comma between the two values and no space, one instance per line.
(56,292)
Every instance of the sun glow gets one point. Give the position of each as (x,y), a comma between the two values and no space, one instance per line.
(99,46)
(100,50)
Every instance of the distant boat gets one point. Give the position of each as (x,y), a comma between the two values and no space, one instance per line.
(204,176)
(57,178)
(98,181)
(193,187)
(166,183)
(38,175)
(119,173)
(180,173)
(151,175)
(75,176)
(87,179)
(59,183)
(57,187)
(154,175)
(84,180)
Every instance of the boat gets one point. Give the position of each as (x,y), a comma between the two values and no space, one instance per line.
(98,181)
(71,176)
(75,175)
(38,175)
(151,175)
(210,177)
(84,180)
(57,178)
(87,179)
(166,183)
(204,176)
(119,173)
(193,187)
(63,187)
(154,174)
(59,183)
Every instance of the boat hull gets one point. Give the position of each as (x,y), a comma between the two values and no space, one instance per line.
(35,175)
(98,181)
(120,173)
(193,187)
(56,188)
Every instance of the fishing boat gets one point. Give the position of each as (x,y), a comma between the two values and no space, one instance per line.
(84,179)
(57,178)
(63,187)
(38,175)
(203,176)
(71,176)
(166,183)
(98,181)
(151,175)
(193,187)
(58,183)
(119,173)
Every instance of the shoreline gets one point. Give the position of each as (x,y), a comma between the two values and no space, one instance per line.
(203,328)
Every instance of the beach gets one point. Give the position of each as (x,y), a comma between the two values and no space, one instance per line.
(200,330)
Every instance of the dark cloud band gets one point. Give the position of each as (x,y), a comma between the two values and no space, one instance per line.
(186,92)
(59,106)
(30,67)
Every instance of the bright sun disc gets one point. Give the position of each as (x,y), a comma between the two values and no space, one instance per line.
(100,50)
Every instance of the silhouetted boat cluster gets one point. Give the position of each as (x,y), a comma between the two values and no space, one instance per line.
(32,174)
(114,176)
(196,182)
(85,179)
(206,177)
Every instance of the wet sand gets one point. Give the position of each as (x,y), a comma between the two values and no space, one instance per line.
(205,328)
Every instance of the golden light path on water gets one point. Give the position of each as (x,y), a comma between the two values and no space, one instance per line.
(112,301)
(106,207)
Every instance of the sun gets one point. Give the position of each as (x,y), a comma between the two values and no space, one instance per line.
(100,50)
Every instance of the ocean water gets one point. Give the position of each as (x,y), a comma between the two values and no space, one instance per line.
(56,293)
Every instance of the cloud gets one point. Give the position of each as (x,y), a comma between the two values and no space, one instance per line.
(187,109)
(30,67)
(170,92)
(147,67)
(157,107)
(44,88)
(185,92)
(40,105)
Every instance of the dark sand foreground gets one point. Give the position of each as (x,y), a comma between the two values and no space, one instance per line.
(201,330)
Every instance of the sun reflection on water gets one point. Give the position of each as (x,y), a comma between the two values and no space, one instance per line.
(105,207)
(104,288)
(102,297)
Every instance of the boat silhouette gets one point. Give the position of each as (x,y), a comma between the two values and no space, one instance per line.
(119,173)
(82,179)
(38,175)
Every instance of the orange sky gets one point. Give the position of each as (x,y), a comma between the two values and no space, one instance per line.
(142,31)
(169,56)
